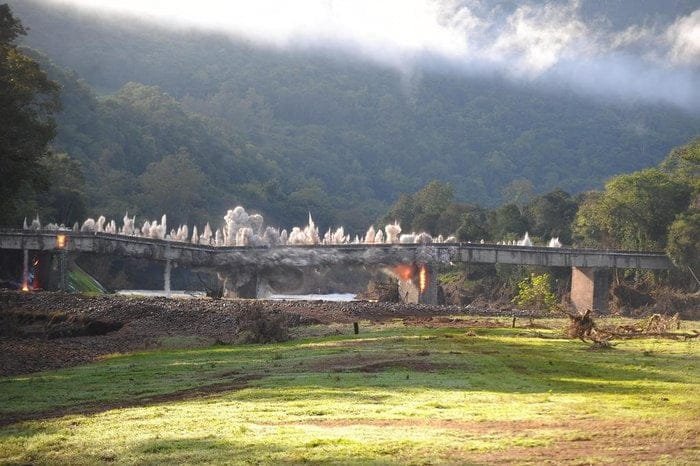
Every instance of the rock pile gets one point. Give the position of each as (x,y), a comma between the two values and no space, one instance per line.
(125,324)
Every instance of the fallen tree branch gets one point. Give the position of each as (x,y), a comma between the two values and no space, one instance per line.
(581,326)
(693,274)
(643,334)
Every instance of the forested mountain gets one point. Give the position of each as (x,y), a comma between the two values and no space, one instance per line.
(192,123)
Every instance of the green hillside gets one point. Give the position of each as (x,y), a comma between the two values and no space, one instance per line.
(193,123)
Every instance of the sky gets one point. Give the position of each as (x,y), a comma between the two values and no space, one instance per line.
(546,42)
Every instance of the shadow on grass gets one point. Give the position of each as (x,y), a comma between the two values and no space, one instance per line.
(494,360)
(242,447)
(98,407)
(249,451)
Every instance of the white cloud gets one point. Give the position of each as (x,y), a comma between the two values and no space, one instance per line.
(534,40)
(684,39)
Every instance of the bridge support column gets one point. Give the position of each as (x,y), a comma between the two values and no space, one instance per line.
(410,289)
(589,289)
(262,287)
(25,269)
(245,285)
(166,278)
(62,271)
(248,289)
(429,295)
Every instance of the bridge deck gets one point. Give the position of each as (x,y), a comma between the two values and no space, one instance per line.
(320,255)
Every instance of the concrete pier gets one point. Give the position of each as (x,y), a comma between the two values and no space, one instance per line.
(25,268)
(410,289)
(166,278)
(589,289)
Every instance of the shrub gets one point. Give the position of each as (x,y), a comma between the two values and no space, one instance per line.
(535,291)
(258,325)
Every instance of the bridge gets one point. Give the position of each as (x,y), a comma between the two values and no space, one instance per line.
(589,266)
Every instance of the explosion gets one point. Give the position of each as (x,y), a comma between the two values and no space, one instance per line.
(404,271)
(241,229)
(423,278)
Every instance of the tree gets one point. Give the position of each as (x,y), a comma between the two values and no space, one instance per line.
(587,227)
(431,202)
(435,196)
(684,241)
(683,164)
(634,211)
(535,291)
(551,214)
(64,200)
(518,192)
(508,221)
(683,245)
(422,211)
(28,99)
(403,211)
(174,186)
(474,225)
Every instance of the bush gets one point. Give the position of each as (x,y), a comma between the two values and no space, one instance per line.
(261,326)
(536,292)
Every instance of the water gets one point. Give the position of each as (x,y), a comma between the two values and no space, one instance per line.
(335,297)
(161,293)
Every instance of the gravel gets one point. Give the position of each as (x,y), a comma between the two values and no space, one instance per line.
(27,345)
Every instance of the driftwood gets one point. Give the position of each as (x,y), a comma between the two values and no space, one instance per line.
(581,326)
(669,335)
(655,326)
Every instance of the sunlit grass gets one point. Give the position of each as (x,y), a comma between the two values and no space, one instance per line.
(391,394)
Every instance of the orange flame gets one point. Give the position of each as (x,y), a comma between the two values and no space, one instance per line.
(404,271)
(25,287)
(423,278)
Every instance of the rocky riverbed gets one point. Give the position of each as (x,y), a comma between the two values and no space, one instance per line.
(47,330)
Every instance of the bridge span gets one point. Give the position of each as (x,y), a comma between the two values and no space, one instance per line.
(589,276)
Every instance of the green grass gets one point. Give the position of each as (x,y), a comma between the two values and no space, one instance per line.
(450,277)
(81,281)
(392,394)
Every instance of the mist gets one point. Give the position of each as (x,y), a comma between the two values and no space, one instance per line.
(550,43)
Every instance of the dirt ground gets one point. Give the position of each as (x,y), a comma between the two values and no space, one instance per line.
(579,441)
(48,330)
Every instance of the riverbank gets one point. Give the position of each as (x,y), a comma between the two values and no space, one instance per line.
(50,330)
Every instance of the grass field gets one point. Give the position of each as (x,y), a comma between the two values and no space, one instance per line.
(395,393)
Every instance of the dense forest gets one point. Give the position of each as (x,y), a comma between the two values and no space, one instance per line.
(657,208)
(287,134)
(650,209)
(188,123)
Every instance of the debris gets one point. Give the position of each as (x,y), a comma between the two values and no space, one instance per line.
(656,325)
(581,326)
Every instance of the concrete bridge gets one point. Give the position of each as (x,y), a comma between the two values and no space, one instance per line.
(589,267)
